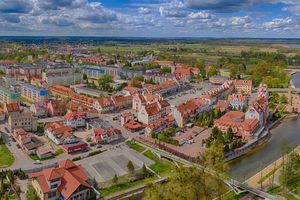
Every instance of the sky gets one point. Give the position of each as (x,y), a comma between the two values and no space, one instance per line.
(151,18)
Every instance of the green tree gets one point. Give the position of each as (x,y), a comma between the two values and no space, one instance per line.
(193,182)
(166,70)
(115,179)
(31,194)
(84,76)
(229,134)
(104,82)
(130,167)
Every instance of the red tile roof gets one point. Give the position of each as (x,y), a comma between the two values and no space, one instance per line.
(72,177)
(12,107)
(74,115)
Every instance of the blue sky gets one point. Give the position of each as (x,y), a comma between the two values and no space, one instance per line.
(151,18)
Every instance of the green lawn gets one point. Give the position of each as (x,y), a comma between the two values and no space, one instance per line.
(135,146)
(160,166)
(125,186)
(6,157)
(35,157)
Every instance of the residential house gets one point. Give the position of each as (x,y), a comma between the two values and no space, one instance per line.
(104,105)
(31,145)
(102,136)
(39,109)
(125,117)
(165,88)
(60,90)
(60,133)
(259,108)
(11,108)
(187,111)
(75,119)
(237,101)
(83,100)
(61,76)
(138,100)
(165,122)
(243,86)
(153,111)
(121,101)
(8,96)
(22,119)
(218,80)
(223,105)
(34,94)
(67,181)
(240,126)
(185,74)
(56,107)
(2,115)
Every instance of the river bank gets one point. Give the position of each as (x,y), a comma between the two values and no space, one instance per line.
(282,134)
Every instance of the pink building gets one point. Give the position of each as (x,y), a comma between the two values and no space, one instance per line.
(236,120)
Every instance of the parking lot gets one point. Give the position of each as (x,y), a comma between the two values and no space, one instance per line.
(114,161)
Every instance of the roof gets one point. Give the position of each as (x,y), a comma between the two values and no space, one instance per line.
(12,107)
(223,105)
(72,177)
(58,128)
(74,115)
(232,115)
(238,83)
(105,101)
(61,89)
(8,61)
(165,85)
(240,97)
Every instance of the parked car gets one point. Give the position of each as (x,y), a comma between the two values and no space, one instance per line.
(115,118)
(37,162)
(6,129)
(98,146)
(19,147)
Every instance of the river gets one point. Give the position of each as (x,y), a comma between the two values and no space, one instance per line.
(287,133)
(296,80)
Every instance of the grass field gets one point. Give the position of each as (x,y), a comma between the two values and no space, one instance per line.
(125,186)
(6,157)
(161,167)
(135,146)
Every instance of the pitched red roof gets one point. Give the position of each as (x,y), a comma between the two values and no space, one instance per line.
(72,177)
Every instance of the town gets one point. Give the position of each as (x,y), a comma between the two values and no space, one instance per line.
(79,124)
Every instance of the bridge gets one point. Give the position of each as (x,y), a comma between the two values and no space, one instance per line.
(235,185)
(292,70)
(284,90)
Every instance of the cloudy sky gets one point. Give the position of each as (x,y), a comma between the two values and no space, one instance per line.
(151,18)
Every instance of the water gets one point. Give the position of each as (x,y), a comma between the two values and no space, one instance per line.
(287,133)
(296,80)
(294,47)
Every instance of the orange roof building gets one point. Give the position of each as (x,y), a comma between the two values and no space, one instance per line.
(236,120)
(60,90)
(67,181)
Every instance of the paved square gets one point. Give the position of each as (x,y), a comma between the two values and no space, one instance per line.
(104,169)
(104,166)
(122,161)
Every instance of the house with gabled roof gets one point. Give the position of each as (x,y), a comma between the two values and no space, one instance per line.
(67,181)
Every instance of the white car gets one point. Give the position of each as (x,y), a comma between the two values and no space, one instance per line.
(37,162)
